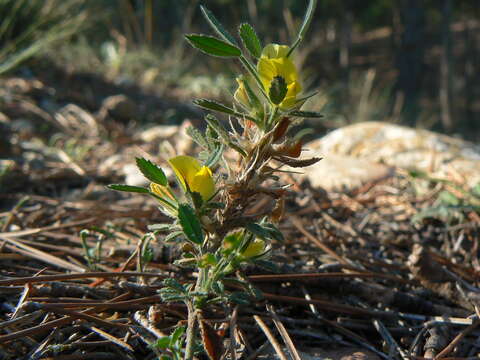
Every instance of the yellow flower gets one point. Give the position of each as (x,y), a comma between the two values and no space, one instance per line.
(255,248)
(164,193)
(241,94)
(161,191)
(274,62)
(193,176)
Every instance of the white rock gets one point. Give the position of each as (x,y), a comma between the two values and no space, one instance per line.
(338,172)
(367,151)
(133,176)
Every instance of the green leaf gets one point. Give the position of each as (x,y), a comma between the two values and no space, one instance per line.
(232,242)
(166,297)
(151,171)
(185,262)
(306,23)
(162,343)
(265,231)
(172,236)
(213,122)
(252,97)
(213,105)
(278,90)
(197,199)
(211,136)
(215,156)
(302,100)
(217,26)
(305,114)
(128,188)
(275,233)
(213,46)
(218,287)
(179,331)
(258,231)
(250,40)
(240,298)
(197,136)
(207,260)
(216,106)
(171,283)
(160,227)
(190,224)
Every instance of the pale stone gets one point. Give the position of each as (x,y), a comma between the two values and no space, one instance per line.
(353,153)
(336,172)
(133,176)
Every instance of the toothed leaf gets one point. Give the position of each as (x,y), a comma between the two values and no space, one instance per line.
(213,46)
(250,40)
(190,224)
(152,172)
(128,188)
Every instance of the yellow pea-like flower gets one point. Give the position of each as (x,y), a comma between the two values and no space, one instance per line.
(274,62)
(193,176)
(241,93)
(255,248)
(164,193)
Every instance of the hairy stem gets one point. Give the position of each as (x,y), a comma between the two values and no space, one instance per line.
(192,315)
(254,73)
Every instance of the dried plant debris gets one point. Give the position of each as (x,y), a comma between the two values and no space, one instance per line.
(347,258)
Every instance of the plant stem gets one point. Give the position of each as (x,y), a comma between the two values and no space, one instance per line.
(192,314)
(254,73)
(273,114)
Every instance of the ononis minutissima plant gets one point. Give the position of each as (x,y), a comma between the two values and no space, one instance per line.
(211,222)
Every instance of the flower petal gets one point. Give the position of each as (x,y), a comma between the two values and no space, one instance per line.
(274,62)
(241,94)
(275,51)
(164,193)
(267,71)
(256,248)
(185,168)
(203,183)
(161,191)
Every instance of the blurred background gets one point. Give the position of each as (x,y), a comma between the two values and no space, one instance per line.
(412,62)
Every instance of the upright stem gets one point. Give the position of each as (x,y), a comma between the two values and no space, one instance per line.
(254,73)
(192,314)
(271,119)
